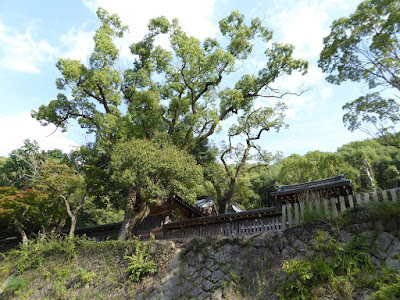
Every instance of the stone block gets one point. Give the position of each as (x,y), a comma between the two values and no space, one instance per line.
(299,245)
(220,258)
(207,285)
(384,240)
(216,276)
(345,236)
(209,263)
(205,273)
(376,262)
(393,263)
(204,295)
(394,248)
(195,292)
(189,271)
(288,252)
(381,255)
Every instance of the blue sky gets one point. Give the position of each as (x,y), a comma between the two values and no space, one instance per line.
(34,34)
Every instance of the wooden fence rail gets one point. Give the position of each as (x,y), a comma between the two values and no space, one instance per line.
(235,224)
(295,213)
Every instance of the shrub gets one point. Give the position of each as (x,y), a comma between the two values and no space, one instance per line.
(139,265)
(16,285)
(387,285)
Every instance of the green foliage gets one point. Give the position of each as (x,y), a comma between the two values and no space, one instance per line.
(86,277)
(297,282)
(184,91)
(139,266)
(28,210)
(15,285)
(22,166)
(312,166)
(157,170)
(364,47)
(386,211)
(339,264)
(387,285)
(33,254)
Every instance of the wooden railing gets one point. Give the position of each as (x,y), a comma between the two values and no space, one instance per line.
(233,224)
(294,213)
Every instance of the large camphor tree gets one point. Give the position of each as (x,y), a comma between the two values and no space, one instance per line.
(184,91)
(365,47)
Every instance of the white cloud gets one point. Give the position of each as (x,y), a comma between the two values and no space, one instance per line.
(326,92)
(21,52)
(302,27)
(17,128)
(80,44)
(307,22)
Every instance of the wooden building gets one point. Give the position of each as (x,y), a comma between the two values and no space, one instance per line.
(324,188)
(176,209)
(207,205)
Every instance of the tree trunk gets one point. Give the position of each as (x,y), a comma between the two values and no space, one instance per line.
(229,194)
(72,215)
(21,232)
(370,174)
(133,218)
(234,179)
(73,225)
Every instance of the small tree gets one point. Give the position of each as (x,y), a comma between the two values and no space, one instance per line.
(250,126)
(63,183)
(28,210)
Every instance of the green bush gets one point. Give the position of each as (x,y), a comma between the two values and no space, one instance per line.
(387,285)
(16,285)
(297,280)
(32,255)
(139,264)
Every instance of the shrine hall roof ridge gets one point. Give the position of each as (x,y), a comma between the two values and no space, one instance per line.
(316,184)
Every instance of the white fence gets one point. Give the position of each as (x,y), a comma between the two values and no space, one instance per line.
(294,213)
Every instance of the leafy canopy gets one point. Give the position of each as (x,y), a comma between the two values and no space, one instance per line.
(156,170)
(182,91)
(365,47)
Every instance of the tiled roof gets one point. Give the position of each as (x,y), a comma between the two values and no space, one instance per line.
(312,185)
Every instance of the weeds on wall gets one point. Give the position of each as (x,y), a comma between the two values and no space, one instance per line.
(337,267)
(54,267)
(139,264)
(387,285)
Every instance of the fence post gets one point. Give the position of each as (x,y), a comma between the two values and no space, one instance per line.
(342,204)
(375,197)
(393,194)
(290,215)
(358,199)
(334,208)
(366,198)
(296,213)
(326,208)
(385,196)
(318,206)
(302,211)
(351,201)
(283,225)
